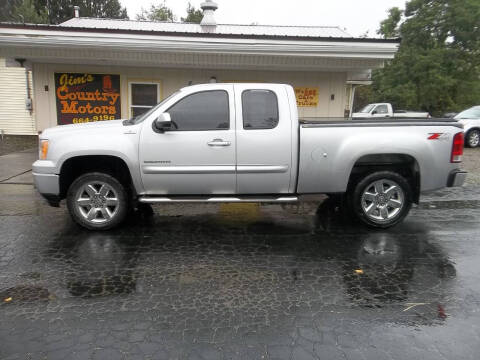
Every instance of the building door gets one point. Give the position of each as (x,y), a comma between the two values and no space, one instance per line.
(264,139)
(198,157)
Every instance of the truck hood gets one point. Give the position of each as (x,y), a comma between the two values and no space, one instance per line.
(359,115)
(76,128)
(469,123)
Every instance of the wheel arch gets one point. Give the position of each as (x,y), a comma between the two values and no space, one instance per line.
(76,166)
(404,164)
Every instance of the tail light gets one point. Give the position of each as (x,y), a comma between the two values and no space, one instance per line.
(457,148)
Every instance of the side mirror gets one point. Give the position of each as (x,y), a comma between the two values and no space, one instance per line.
(163,123)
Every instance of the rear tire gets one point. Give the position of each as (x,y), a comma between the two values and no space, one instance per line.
(473,138)
(381,199)
(97,201)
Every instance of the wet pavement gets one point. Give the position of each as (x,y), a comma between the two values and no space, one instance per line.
(240,282)
(16,167)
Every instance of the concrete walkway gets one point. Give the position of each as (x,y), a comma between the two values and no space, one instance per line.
(16,168)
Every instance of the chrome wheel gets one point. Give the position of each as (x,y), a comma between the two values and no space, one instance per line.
(382,200)
(97,202)
(473,138)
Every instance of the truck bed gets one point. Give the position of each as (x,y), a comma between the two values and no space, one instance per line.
(330,148)
(323,122)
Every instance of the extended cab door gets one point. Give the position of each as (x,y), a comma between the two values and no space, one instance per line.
(264,139)
(198,157)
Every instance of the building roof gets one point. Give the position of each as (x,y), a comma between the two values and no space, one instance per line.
(178,45)
(220,29)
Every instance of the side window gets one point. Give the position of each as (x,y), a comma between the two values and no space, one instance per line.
(382,109)
(260,109)
(207,110)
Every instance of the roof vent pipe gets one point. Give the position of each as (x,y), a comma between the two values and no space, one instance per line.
(76,11)
(208,19)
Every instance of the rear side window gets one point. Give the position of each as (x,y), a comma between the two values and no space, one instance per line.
(260,109)
(207,110)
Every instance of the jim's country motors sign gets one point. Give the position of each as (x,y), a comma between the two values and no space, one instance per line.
(87,97)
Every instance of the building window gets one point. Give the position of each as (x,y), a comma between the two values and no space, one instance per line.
(206,110)
(260,109)
(143,96)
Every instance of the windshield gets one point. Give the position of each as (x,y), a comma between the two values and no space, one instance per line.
(140,118)
(367,108)
(472,113)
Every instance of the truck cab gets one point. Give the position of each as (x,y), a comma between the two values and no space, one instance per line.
(379,110)
(226,139)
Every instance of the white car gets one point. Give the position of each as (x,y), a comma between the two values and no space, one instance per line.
(470,119)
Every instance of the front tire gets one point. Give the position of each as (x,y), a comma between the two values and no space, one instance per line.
(473,138)
(381,199)
(97,201)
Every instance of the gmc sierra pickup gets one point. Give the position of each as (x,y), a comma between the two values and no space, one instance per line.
(244,143)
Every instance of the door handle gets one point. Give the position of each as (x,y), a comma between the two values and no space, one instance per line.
(218,142)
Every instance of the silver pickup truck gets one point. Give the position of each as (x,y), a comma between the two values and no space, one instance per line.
(244,143)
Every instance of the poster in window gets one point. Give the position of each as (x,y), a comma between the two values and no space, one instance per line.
(84,98)
(306,96)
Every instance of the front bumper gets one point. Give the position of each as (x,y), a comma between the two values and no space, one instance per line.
(46,181)
(456,178)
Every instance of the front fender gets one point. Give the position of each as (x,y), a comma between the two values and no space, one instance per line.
(120,145)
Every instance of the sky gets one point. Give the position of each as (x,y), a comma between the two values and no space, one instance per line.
(356,16)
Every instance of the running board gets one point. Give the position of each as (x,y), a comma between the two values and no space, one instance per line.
(217,199)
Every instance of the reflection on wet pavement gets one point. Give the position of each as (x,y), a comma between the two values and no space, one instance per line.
(241,282)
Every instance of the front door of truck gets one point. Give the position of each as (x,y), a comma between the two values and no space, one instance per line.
(198,155)
(264,139)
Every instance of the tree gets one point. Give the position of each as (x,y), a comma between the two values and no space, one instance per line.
(25,12)
(159,12)
(389,26)
(59,10)
(62,10)
(7,7)
(193,15)
(437,67)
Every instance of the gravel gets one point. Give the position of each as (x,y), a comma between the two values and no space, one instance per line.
(471,163)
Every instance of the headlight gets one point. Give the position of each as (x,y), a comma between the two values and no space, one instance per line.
(43,149)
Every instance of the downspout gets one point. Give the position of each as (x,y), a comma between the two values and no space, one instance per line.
(352,99)
(29,102)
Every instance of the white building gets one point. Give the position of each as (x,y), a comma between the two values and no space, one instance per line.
(95,69)
(15,118)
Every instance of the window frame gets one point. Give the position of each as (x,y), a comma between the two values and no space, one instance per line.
(130,95)
(243,114)
(199,92)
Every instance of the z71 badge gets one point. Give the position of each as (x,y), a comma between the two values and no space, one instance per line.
(438,136)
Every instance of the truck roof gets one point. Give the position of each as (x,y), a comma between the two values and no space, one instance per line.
(253,84)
